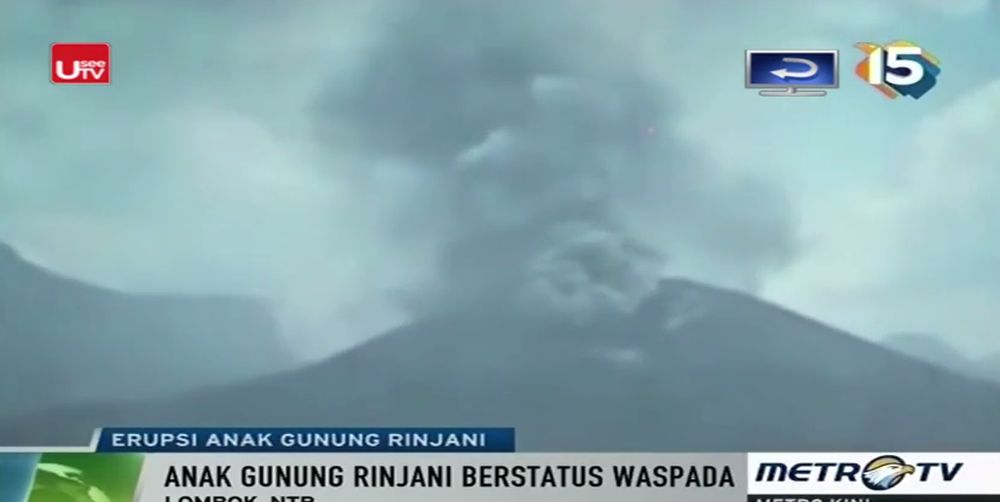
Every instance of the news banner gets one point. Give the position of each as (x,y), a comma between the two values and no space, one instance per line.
(461,465)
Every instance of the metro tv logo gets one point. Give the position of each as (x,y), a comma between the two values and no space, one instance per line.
(880,473)
(81,64)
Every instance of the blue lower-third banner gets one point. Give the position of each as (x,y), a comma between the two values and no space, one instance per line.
(274,440)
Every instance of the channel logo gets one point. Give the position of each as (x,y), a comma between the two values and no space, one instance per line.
(898,68)
(81,64)
(879,474)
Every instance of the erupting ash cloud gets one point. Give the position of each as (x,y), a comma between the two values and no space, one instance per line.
(384,161)
(556,179)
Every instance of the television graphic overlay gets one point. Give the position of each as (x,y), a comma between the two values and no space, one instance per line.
(792,72)
(87,63)
(17,470)
(86,477)
(898,68)
(479,464)
(873,477)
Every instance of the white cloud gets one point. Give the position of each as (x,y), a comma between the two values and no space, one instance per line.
(920,251)
(200,174)
(956,7)
(868,15)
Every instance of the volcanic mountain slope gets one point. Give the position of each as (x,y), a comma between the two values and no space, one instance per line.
(991,367)
(695,368)
(933,349)
(63,340)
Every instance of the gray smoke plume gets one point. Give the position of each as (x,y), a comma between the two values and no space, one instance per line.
(557,179)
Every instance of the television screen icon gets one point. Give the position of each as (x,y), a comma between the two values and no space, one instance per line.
(792,72)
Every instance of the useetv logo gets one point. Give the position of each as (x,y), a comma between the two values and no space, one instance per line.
(81,64)
(878,474)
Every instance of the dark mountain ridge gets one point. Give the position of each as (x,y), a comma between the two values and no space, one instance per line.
(63,340)
(694,368)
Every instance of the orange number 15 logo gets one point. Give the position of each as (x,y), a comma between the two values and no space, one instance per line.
(898,68)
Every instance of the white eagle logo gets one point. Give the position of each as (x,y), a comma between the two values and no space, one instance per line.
(885,472)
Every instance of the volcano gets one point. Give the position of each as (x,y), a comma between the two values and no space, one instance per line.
(693,368)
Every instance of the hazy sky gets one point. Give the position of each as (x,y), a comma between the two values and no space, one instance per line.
(357,161)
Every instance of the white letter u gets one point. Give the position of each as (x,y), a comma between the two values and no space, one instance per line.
(61,74)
